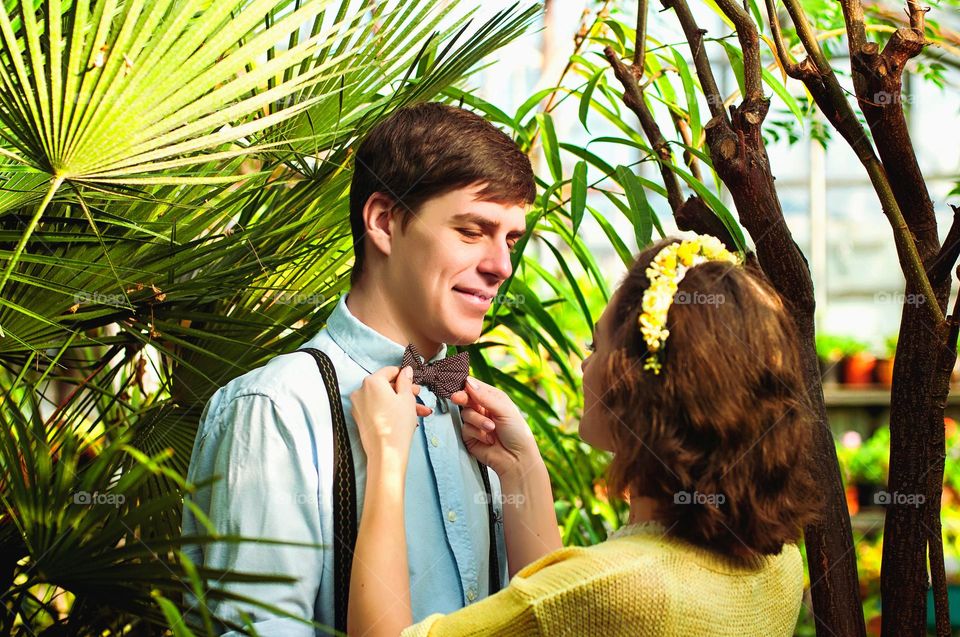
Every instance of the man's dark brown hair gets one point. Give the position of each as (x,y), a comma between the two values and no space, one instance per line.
(425,151)
(721,437)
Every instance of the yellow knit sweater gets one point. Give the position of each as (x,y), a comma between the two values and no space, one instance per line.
(639,582)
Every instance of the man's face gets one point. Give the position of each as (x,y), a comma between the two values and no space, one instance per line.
(447,266)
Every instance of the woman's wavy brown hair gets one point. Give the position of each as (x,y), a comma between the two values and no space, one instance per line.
(720,438)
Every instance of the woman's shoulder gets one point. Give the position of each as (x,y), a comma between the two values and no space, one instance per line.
(647,541)
(658,580)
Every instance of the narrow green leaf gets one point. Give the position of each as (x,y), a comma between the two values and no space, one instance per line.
(689,91)
(587,98)
(642,217)
(551,149)
(578,194)
(618,245)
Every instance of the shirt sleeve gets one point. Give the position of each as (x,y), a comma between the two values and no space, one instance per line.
(267,488)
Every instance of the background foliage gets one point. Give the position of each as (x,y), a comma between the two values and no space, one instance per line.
(155,249)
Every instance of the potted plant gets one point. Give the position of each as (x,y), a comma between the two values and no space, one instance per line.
(883,372)
(858,363)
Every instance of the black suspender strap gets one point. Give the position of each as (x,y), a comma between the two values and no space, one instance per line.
(344,493)
(492,526)
(345,499)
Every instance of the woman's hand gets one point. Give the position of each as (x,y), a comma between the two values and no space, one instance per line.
(385,410)
(494,430)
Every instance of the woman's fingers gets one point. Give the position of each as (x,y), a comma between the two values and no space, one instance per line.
(464,399)
(476,419)
(488,400)
(471,432)
(423,410)
(405,381)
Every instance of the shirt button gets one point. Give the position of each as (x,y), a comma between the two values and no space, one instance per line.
(471,593)
(452,516)
(435,441)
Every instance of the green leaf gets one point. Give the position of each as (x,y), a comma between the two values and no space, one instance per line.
(689,91)
(532,101)
(618,245)
(587,98)
(592,158)
(642,214)
(551,149)
(578,194)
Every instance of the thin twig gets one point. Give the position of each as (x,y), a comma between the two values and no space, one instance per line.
(640,44)
(683,129)
(786,60)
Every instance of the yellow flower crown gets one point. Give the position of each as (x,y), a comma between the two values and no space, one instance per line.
(665,273)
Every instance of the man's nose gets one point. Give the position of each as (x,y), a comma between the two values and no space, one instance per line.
(497,262)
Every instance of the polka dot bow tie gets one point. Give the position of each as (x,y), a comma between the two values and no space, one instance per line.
(444,377)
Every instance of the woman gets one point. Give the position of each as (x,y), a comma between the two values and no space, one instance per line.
(694,384)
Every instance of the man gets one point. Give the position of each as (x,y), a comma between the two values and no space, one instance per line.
(437,203)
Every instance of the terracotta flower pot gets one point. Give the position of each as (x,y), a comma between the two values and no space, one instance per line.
(858,369)
(853,499)
(884,372)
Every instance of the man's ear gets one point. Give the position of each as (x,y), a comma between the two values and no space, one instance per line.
(378,221)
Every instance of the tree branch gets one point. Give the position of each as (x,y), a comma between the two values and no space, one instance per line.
(820,79)
(633,98)
(783,53)
(750,43)
(683,129)
(853,19)
(936,452)
(693,214)
(694,36)
(939,270)
(639,48)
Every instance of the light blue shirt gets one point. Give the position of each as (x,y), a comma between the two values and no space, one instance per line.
(268,435)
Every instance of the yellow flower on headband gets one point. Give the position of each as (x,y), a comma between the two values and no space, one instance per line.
(665,273)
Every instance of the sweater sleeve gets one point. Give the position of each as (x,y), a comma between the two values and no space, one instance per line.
(562,589)
(509,612)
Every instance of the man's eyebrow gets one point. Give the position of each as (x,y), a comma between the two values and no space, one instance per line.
(485,223)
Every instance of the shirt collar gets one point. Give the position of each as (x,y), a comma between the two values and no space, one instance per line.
(367,347)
